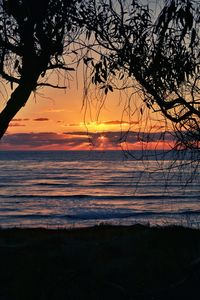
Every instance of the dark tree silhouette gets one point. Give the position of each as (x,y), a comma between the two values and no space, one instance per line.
(158,49)
(34,36)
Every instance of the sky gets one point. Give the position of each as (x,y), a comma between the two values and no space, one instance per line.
(55,119)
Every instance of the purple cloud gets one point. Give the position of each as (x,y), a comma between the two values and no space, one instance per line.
(41,119)
(74,140)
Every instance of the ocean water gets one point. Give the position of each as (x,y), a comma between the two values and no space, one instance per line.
(84,188)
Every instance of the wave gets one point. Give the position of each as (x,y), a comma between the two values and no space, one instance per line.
(94,155)
(90,186)
(105,216)
(104,197)
(146,215)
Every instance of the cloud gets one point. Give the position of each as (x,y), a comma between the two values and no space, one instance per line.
(107,123)
(111,139)
(41,119)
(82,140)
(16,125)
(16,122)
(118,122)
(19,120)
(73,125)
(112,122)
(42,140)
(53,111)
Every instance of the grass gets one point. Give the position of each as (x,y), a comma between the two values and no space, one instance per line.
(102,262)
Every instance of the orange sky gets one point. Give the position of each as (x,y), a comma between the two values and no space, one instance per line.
(55,120)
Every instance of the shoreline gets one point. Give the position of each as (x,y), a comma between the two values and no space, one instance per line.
(100,262)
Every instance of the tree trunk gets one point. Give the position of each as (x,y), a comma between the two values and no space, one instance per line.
(32,67)
(17,100)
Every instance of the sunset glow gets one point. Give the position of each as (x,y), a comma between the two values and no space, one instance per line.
(56,120)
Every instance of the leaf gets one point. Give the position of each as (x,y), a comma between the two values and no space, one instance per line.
(86,60)
(69,26)
(110,88)
(104,75)
(88,34)
(181,16)
(161,19)
(193,36)
(19,69)
(189,19)
(112,72)
(105,62)
(16,64)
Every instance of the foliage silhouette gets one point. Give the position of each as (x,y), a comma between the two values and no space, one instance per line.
(34,36)
(157,49)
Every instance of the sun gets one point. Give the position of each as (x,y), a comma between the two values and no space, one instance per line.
(102,138)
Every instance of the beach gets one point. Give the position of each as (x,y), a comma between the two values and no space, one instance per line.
(101,262)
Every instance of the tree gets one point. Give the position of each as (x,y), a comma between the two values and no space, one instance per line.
(159,50)
(34,37)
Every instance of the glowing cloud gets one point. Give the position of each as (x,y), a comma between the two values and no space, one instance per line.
(85,141)
(41,119)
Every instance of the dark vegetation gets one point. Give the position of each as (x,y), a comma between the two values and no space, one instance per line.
(157,48)
(34,37)
(103,262)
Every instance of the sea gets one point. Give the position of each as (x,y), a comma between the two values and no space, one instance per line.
(67,189)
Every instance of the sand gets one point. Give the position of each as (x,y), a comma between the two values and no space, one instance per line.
(103,262)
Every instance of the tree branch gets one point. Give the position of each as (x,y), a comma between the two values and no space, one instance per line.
(10,47)
(51,85)
(8,77)
(60,66)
